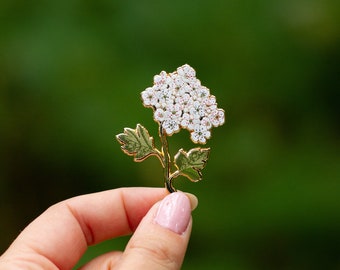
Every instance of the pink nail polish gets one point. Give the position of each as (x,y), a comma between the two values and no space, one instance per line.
(174,212)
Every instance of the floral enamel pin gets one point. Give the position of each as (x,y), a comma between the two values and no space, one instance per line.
(178,101)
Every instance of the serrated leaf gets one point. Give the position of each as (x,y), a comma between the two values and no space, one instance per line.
(137,142)
(190,164)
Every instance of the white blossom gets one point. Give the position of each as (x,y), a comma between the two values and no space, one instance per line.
(159,115)
(149,97)
(217,117)
(186,71)
(174,111)
(192,123)
(170,126)
(203,93)
(197,110)
(200,134)
(180,101)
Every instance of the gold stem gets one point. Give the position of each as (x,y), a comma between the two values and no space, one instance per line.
(166,160)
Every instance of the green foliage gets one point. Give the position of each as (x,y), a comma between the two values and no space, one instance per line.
(137,142)
(190,164)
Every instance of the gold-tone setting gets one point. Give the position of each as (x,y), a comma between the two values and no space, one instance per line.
(179,102)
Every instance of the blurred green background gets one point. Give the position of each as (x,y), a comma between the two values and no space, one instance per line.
(71,73)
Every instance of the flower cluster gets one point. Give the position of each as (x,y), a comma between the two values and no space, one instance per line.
(180,101)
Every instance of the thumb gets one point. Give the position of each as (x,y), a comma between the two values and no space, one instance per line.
(161,238)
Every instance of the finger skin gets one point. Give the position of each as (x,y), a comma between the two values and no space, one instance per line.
(155,244)
(154,247)
(59,237)
(105,261)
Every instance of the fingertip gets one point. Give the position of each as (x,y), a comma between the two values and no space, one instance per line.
(161,239)
(174,212)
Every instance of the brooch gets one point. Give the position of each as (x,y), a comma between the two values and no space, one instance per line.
(178,101)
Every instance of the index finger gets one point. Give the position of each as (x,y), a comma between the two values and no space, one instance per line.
(63,232)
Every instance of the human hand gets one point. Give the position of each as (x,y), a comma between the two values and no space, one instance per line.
(59,237)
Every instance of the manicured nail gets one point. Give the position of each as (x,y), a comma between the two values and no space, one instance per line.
(174,212)
(193,200)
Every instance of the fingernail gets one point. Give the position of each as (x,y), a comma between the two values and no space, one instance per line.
(174,212)
(193,200)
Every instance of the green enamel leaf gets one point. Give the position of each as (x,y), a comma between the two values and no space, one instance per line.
(137,142)
(190,164)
